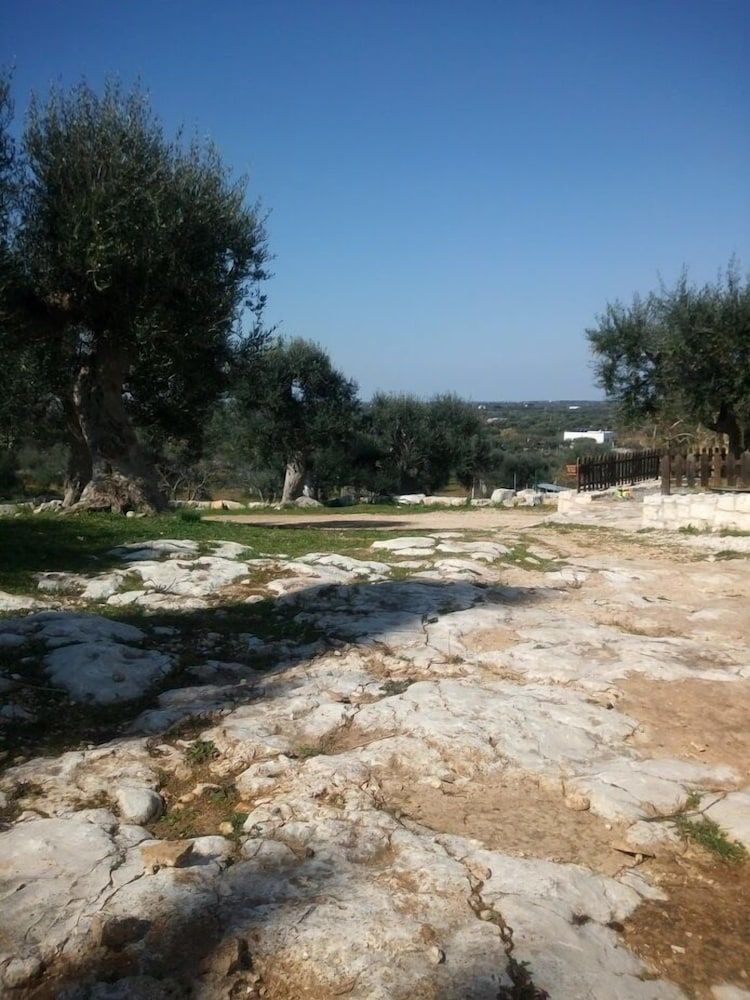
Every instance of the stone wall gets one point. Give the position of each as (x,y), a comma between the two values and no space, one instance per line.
(704,511)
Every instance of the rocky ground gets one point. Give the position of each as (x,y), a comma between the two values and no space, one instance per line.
(396,772)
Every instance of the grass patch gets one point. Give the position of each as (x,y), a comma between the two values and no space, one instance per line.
(79,543)
(520,555)
(201,752)
(306,751)
(709,835)
(391,687)
(203,817)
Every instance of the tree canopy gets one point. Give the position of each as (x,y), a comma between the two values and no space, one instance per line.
(681,353)
(422,443)
(133,259)
(299,405)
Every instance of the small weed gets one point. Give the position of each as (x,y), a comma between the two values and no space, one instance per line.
(690,529)
(189,516)
(201,752)
(181,823)
(709,835)
(522,984)
(391,687)
(523,987)
(693,800)
(237,819)
(306,751)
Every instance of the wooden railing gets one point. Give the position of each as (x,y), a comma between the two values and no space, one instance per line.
(601,473)
(708,469)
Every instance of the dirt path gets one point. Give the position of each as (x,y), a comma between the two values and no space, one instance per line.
(482,519)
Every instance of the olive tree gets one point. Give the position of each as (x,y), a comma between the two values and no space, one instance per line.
(299,404)
(135,255)
(681,353)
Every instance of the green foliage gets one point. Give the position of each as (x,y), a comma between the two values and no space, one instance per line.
(708,834)
(189,516)
(201,751)
(294,406)
(681,354)
(420,445)
(50,543)
(131,259)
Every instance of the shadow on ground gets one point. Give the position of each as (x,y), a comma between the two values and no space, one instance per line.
(205,948)
(358,615)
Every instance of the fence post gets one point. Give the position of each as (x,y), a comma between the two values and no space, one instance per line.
(578,475)
(745,469)
(716,464)
(666,474)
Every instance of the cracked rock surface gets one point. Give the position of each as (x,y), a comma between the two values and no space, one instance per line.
(421,754)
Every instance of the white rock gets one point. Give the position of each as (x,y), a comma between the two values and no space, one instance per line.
(19,602)
(138,804)
(105,672)
(437,501)
(212,848)
(102,587)
(57,628)
(231,550)
(407,542)
(732,813)
(136,551)
(727,991)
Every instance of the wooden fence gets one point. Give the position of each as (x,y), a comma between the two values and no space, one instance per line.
(711,469)
(600,473)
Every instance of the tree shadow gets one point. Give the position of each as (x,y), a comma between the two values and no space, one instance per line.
(294,522)
(195,942)
(310,622)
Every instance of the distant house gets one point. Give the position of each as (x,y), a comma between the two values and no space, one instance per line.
(599,437)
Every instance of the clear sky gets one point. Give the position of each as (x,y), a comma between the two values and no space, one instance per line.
(456,188)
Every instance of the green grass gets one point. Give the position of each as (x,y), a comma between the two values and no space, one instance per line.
(201,752)
(79,543)
(709,835)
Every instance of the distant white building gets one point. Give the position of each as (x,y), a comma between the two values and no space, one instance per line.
(600,437)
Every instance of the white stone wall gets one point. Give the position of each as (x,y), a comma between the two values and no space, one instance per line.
(704,511)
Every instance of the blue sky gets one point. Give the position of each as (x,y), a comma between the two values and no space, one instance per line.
(456,189)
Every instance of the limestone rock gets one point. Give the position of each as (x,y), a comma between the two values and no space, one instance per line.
(407,542)
(138,804)
(732,813)
(165,853)
(105,672)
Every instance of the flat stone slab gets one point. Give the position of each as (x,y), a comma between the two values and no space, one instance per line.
(407,542)
(732,813)
(105,672)
(139,551)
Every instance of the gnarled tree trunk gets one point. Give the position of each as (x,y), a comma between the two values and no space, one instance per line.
(78,472)
(121,478)
(727,423)
(294,479)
